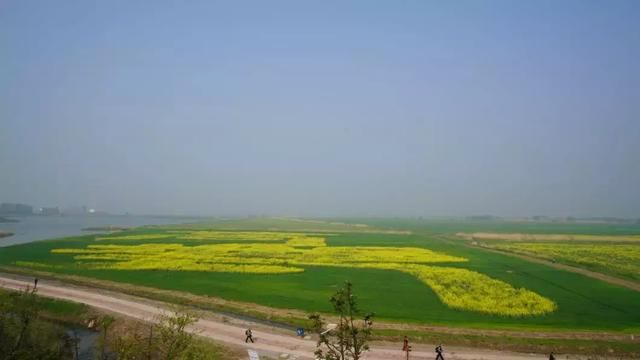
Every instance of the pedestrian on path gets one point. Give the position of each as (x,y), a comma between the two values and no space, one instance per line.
(439,351)
(249,335)
(552,356)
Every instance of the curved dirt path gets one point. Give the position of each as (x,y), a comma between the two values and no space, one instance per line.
(269,341)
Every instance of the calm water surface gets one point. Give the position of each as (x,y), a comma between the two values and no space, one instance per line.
(34,228)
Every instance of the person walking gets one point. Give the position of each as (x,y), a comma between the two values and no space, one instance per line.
(249,335)
(552,356)
(439,352)
(35,283)
(405,346)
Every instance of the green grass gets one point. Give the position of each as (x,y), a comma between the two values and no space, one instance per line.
(583,303)
(54,309)
(279,224)
(619,260)
(623,349)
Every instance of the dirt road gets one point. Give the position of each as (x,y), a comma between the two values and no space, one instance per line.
(269,341)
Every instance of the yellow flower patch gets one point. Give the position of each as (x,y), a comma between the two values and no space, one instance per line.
(289,252)
(616,258)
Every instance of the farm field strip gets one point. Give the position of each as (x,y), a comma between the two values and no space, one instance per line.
(616,280)
(478,236)
(623,260)
(208,235)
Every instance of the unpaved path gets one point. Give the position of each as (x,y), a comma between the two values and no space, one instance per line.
(479,236)
(269,341)
(592,274)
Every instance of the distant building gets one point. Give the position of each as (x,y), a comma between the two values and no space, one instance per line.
(15,209)
(6,208)
(50,211)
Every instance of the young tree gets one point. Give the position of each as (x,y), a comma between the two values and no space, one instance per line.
(169,339)
(174,339)
(128,346)
(349,339)
(105,324)
(23,335)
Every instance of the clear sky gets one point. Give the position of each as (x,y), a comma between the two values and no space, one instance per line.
(322,108)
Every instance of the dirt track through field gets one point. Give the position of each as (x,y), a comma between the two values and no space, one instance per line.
(592,274)
(480,236)
(269,342)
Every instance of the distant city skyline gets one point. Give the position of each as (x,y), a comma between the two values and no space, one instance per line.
(18,208)
(415,108)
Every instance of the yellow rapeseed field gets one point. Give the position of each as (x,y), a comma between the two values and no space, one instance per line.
(623,259)
(469,290)
(479,236)
(289,252)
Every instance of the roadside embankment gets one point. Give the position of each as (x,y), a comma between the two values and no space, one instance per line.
(272,340)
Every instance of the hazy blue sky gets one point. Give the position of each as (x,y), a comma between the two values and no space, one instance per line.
(322,107)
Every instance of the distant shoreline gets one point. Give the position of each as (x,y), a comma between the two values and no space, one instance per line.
(106,228)
(4,234)
(40,227)
(8,220)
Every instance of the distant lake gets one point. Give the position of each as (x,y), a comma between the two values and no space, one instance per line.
(34,228)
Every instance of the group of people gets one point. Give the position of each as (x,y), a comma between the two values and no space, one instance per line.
(405,346)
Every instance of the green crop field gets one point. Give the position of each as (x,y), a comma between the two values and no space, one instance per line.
(403,270)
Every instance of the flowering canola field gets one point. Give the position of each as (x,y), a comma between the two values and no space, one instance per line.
(281,253)
(621,259)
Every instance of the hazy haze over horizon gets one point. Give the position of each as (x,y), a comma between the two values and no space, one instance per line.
(328,108)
